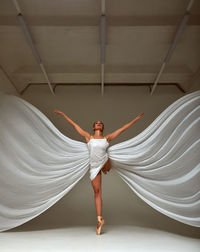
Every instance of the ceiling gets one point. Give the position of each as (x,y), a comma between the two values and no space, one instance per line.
(66,35)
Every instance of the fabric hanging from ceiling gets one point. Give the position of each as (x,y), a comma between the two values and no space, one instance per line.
(39,165)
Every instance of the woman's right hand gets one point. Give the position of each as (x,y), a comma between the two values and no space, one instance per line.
(58,112)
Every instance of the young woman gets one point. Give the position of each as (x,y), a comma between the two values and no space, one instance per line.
(97,145)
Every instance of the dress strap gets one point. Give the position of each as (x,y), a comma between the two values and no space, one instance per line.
(98,138)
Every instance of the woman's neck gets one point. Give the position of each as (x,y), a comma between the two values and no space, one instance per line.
(98,133)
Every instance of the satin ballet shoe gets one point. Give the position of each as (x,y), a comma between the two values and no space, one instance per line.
(100,223)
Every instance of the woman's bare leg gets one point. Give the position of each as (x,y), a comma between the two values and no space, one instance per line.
(96,183)
(107,166)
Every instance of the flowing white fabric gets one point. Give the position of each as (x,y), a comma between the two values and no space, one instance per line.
(39,165)
(98,155)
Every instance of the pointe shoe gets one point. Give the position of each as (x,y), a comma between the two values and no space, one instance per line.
(100,223)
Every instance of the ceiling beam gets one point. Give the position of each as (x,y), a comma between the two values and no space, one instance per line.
(37,20)
(173,45)
(31,43)
(103,43)
(117,68)
(149,85)
(103,50)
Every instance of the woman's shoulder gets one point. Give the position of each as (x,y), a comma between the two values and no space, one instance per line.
(107,138)
(87,138)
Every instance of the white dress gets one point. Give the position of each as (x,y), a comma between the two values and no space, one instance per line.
(98,155)
(39,165)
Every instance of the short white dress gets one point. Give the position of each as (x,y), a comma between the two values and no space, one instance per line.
(98,155)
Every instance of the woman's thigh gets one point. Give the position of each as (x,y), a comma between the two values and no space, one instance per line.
(96,183)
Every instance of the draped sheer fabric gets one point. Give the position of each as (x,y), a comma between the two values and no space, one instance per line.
(39,165)
(98,155)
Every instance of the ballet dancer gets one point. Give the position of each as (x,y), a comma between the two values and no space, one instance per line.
(97,149)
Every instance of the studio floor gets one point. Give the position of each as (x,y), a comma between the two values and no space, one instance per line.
(84,238)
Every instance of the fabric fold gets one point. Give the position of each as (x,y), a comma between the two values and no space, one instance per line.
(162,164)
(39,165)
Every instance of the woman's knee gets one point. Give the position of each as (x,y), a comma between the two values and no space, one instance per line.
(97,191)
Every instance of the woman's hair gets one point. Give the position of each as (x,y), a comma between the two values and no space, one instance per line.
(101,122)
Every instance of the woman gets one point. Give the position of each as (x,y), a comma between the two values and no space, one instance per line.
(98,149)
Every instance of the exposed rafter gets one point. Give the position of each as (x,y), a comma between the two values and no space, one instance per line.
(107,84)
(112,21)
(173,45)
(31,43)
(103,43)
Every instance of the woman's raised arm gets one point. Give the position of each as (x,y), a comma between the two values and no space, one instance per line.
(82,132)
(116,133)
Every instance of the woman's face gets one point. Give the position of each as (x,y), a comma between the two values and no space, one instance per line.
(98,125)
